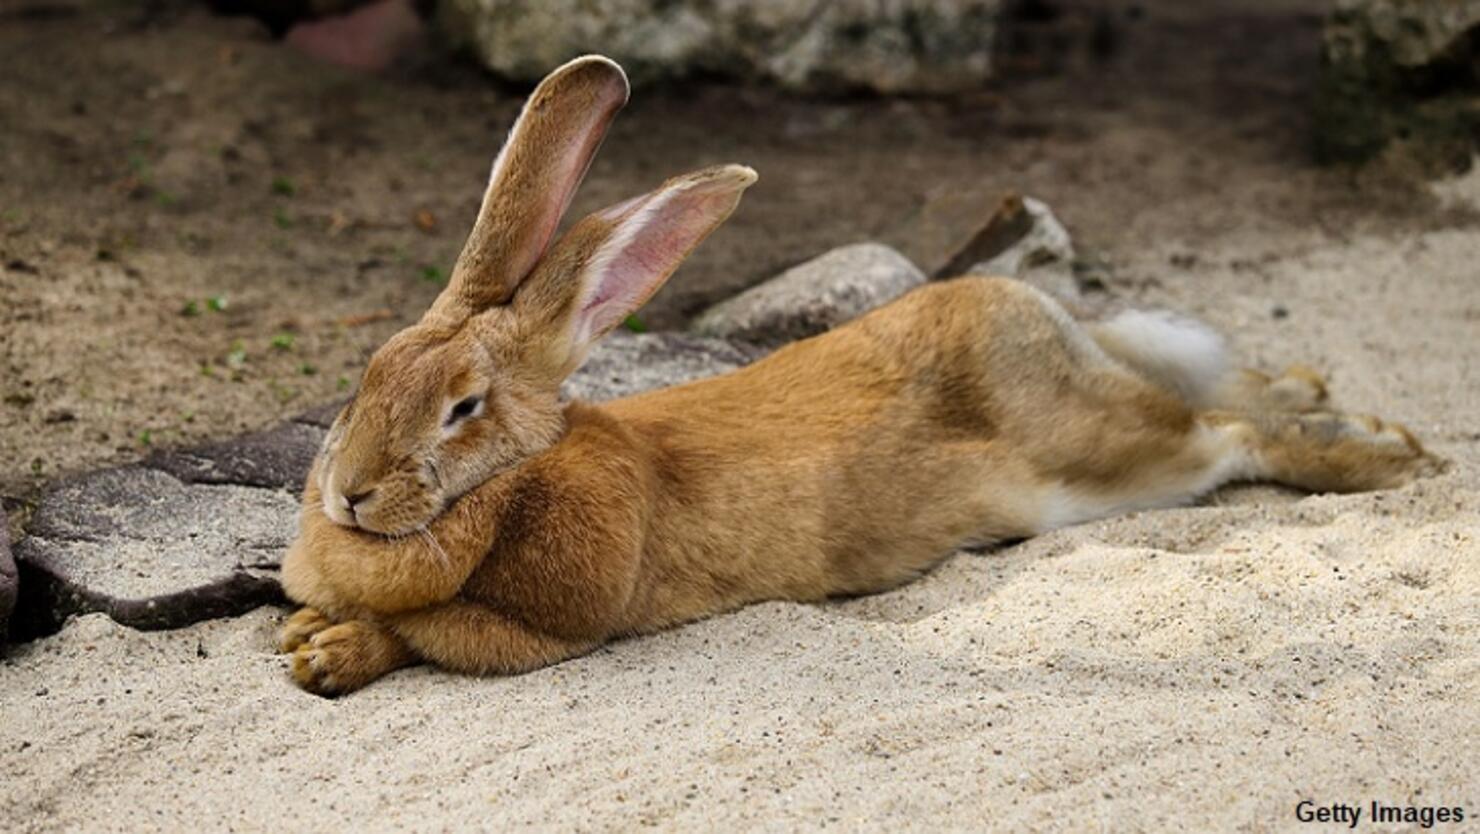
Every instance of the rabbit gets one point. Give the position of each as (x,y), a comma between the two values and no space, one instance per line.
(460,514)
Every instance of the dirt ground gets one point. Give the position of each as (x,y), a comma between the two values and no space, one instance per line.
(159,163)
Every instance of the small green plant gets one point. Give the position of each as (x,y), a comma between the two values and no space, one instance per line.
(342,383)
(283,187)
(194,307)
(284,393)
(307,370)
(282,341)
(433,275)
(282,219)
(237,358)
(634,324)
(146,438)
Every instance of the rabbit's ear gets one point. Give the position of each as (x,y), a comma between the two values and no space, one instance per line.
(613,261)
(534,177)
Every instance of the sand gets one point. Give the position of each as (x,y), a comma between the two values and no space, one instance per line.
(1194,669)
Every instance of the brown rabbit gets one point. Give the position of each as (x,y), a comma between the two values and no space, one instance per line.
(459,514)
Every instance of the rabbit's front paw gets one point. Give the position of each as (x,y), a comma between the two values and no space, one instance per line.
(297,629)
(347,656)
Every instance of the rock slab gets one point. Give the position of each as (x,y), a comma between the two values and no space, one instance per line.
(150,550)
(199,533)
(894,46)
(277,458)
(628,363)
(813,297)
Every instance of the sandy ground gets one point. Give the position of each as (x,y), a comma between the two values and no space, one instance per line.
(1194,669)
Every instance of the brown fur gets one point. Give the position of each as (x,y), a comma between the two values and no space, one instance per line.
(968,411)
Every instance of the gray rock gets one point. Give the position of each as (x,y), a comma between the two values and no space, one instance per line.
(1043,256)
(322,416)
(1399,69)
(8,579)
(626,363)
(814,296)
(277,458)
(945,224)
(150,550)
(1046,244)
(893,46)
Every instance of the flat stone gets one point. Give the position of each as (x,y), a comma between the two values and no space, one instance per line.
(8,580)
(626,363)
(150,550)
(813,297)
(323,415)
(278,458)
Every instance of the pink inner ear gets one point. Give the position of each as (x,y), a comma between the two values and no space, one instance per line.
(646,248)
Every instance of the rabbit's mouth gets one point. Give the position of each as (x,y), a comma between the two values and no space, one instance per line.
(394,519)
(396,505)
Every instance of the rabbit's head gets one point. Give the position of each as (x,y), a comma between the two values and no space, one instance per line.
(473,388)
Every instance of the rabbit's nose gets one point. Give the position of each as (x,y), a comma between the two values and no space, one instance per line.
(351,500)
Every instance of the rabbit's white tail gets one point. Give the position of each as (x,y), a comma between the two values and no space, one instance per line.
(1176,352)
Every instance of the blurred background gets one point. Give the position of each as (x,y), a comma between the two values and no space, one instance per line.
(211,212)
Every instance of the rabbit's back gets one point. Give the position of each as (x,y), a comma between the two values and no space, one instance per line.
(854,460)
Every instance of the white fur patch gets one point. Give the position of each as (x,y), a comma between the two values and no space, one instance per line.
(1173,350)
(1227,460)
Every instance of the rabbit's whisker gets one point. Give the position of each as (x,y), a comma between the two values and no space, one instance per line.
(435,546)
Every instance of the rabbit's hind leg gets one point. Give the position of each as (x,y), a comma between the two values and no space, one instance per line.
(1318,451)
(1161,470)
(1326,452)
(1186,357)
(1299,389)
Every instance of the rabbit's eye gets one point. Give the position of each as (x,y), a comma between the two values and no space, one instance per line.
(464,409)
